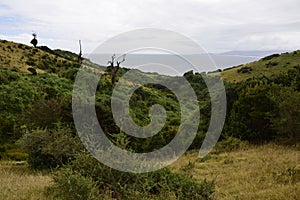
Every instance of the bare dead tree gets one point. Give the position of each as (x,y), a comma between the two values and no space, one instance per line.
(114,69)
(119,62)
(34,41)
(80,53)
(112,61)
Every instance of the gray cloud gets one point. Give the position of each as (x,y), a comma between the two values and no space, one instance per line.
(215,24)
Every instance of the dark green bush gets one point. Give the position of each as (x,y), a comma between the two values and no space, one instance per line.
(31,62)
(20,46)
(245,70)
(121,185)
(49,148)
(271,64)
(70,73)
(270,57)
(32,70)
(6,130)
(70,185)
(43,113)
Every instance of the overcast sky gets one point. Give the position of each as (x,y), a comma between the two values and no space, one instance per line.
(217,25)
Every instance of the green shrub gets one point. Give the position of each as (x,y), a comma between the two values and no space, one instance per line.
(70,185)
(245,70)
(32,70)
(48,148)
(6,130)
(271,64)
(30,62)
(270,57)
(70,73)
(20,46)
(43,114)
(121,185)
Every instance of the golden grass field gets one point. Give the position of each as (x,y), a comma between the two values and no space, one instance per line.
(255,172)
(19,183)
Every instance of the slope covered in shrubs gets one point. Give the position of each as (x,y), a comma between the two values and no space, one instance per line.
(37,123)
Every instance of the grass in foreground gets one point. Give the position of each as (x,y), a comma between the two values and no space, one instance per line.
(19,183)
(257,172)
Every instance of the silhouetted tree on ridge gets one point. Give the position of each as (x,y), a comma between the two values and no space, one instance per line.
(34,41)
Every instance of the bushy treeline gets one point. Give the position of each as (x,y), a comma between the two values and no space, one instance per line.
(259,109)
(36,119)
(264,109)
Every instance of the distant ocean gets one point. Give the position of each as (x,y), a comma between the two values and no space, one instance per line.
(177,65)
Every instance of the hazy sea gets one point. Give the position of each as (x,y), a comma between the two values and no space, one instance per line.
(177,65)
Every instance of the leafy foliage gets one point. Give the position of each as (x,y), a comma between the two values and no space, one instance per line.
(162,183)
(50,147)
(286,118)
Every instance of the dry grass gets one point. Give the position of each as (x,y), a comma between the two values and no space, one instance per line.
(16,56)
(18,183)
(263,172)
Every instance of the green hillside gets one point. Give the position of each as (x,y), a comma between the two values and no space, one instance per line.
(37,130)
(270,66)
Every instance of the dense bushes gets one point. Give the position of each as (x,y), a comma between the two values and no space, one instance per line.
(120,185)
(248,119)
(286,117)
(31,101)
(48,148)
(70,185)
(265,109)
(7,129)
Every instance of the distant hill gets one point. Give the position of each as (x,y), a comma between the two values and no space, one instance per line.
(268,66)
(254,53)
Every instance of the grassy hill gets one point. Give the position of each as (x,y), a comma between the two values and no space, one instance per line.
(269,66)
(19,57)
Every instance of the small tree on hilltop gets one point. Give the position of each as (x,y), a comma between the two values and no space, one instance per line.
(34,41)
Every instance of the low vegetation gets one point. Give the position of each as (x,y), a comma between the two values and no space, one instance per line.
(39,143)
(18,182)
(270,67)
